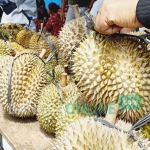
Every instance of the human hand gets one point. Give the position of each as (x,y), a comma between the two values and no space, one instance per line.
(88,9)
(116,14)
(62,16)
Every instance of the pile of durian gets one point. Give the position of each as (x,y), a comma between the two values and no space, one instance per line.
(61,80)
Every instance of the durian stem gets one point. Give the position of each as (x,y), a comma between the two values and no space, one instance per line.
(112,113)
(66,69)
(25,28)
(10,39)
(76,11)
(64,80)
(42,54)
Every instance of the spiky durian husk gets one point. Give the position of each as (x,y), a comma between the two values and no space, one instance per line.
(146,130)
(10,29)
(26,82)
(23,37)
(33,42)
(70,34)
(42,44)
(17,47)
(5,48)
(58,70)
(107,68)
(86,134)
(140,33)
(5,63)
(51,110)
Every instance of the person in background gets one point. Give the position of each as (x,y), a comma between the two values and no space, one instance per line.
(84,5)
(54,22)
(112,17)
(42,13)
(16,16)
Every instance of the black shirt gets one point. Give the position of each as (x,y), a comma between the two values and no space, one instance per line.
(83,3)
(143,12)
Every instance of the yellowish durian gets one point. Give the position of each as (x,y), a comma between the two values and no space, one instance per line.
(51,110)
(146,130)
(87,134)
(114,69)
(5,48)
(70,34)
(23,37)
(21,84)
(34,42)
(10,29)
(43,44)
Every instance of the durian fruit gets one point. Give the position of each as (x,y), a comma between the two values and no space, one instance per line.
(5,48)
(21,84)
(10,29)
(15,46)
(42,44)
(51,110)
(87,134)
(146,130)
(138,33)
(70,34)
(23,37)
(4,62)
(33,42)
(113,66)
(55,70)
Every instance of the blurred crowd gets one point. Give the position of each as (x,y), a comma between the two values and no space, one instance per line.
(54,17)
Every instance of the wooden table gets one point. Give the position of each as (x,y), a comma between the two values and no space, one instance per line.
(24,134)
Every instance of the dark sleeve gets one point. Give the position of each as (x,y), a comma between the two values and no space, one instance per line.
(7,6)
(143,12)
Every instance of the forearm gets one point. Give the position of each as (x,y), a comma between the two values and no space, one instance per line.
(63,5)
(142,12)
(91,4)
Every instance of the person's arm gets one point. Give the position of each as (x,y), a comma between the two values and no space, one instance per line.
(116,14)
(143,12)
(62,15)
(90,6)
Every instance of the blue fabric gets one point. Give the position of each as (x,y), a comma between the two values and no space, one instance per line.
(70,14)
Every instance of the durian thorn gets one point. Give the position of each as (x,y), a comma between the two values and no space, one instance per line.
(64,80)
(112,113)
(42,54)
(10,39)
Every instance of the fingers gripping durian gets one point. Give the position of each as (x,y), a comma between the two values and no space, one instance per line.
(107,68)
(21,84)
(88,134)
(51,111)
(70,34)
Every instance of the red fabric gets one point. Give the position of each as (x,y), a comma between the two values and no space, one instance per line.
(54,24)
(38,24)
